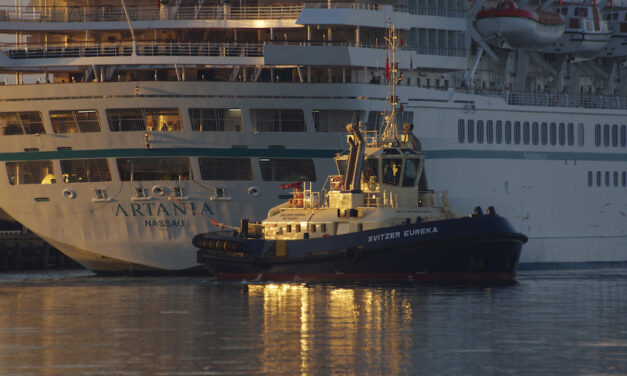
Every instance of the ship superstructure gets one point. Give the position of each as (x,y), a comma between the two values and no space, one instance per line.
(127,127)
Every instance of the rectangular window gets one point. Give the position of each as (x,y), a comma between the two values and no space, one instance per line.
(461,131)
(508,132)
(615,135)
(543,133)
(623,136)
(606,135)
(590,178)
(597,135)
(553,133)
(85,170)
(274,120)
(562,134)
(17,123)
(144,119)
(161,169)
(517,132)
(216,119)
(499,131)
(75,121)
(471,131)
(480,131)
(31,172)
(598,178)
(227,169)
(571,134)
(580,135)
(284,169)
(489,132)
(335,120)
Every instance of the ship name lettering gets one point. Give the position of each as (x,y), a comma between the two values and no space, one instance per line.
(151,209)
(406,233)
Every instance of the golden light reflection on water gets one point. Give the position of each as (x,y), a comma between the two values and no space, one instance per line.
(351,329)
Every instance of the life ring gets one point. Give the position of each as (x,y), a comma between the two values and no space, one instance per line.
(158,190)
(68,193)
(253,191)
(298,200)
(336,182)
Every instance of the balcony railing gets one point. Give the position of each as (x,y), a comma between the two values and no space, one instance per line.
(442,11)
(146,13)
(143,49)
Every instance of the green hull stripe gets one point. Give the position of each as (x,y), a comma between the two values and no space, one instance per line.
(302,153)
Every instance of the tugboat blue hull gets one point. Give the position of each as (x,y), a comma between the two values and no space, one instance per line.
(478,248)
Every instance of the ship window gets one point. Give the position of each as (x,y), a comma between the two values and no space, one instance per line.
(565,11)
(216,119)
(17,123)
(370,174)
(624,179)
(75,121)
(335,120)
(288,228)
(526,133)
(606,135)
(517,132)
(597,135)
(553,133)
(312,227)
(140,169)
(391,171)
(323,227)
(471,131)
(535,137)
(31,172)
(581,12)
(508,132)
(580,131)
(571,134)
(480,131)
(411,172)
(614,135)
(274,120)
(543,133)
(284,169)
(227,169)
(616,178)
(573,23)
(144,119)
(499,131)
(460,131)
(85,170)
(562,134)
(607,178)
(590,178)
(297,228)
(623,135)
(598,178)
(489,132)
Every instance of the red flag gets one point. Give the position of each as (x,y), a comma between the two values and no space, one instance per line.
(611,3)
(387,67)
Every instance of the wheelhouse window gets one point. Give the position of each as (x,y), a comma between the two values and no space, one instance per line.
(30,172)
(392,171)
(227,169)
(278,120)
(85,170)
(410,173)
(335,120)
(287,169)
(75,121)
(140,169)
(144,119)
(18,123)
(216,119)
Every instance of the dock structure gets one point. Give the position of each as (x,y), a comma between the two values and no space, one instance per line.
(23,250)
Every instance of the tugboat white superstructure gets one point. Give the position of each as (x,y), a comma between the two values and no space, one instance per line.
(126,125)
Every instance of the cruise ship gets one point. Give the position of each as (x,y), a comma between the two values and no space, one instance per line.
(127,127)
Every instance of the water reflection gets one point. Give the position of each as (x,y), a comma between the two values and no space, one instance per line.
(343,329)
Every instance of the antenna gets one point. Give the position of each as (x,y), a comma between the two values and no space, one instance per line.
(389,134)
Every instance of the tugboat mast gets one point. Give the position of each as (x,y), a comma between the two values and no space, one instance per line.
(389,134)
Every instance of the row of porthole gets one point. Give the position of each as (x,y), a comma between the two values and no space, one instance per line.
(608,178)
(610,136)
(536,133)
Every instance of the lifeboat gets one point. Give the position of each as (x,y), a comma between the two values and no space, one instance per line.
(585,33)
(509,26)
(617,22)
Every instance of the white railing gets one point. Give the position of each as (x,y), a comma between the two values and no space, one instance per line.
(146,13)
(38,51)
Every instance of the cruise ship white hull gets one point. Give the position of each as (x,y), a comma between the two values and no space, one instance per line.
(542,189)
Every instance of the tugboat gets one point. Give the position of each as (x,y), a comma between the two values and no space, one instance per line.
(370,222)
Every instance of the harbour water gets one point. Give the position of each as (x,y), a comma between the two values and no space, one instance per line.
(546,323)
